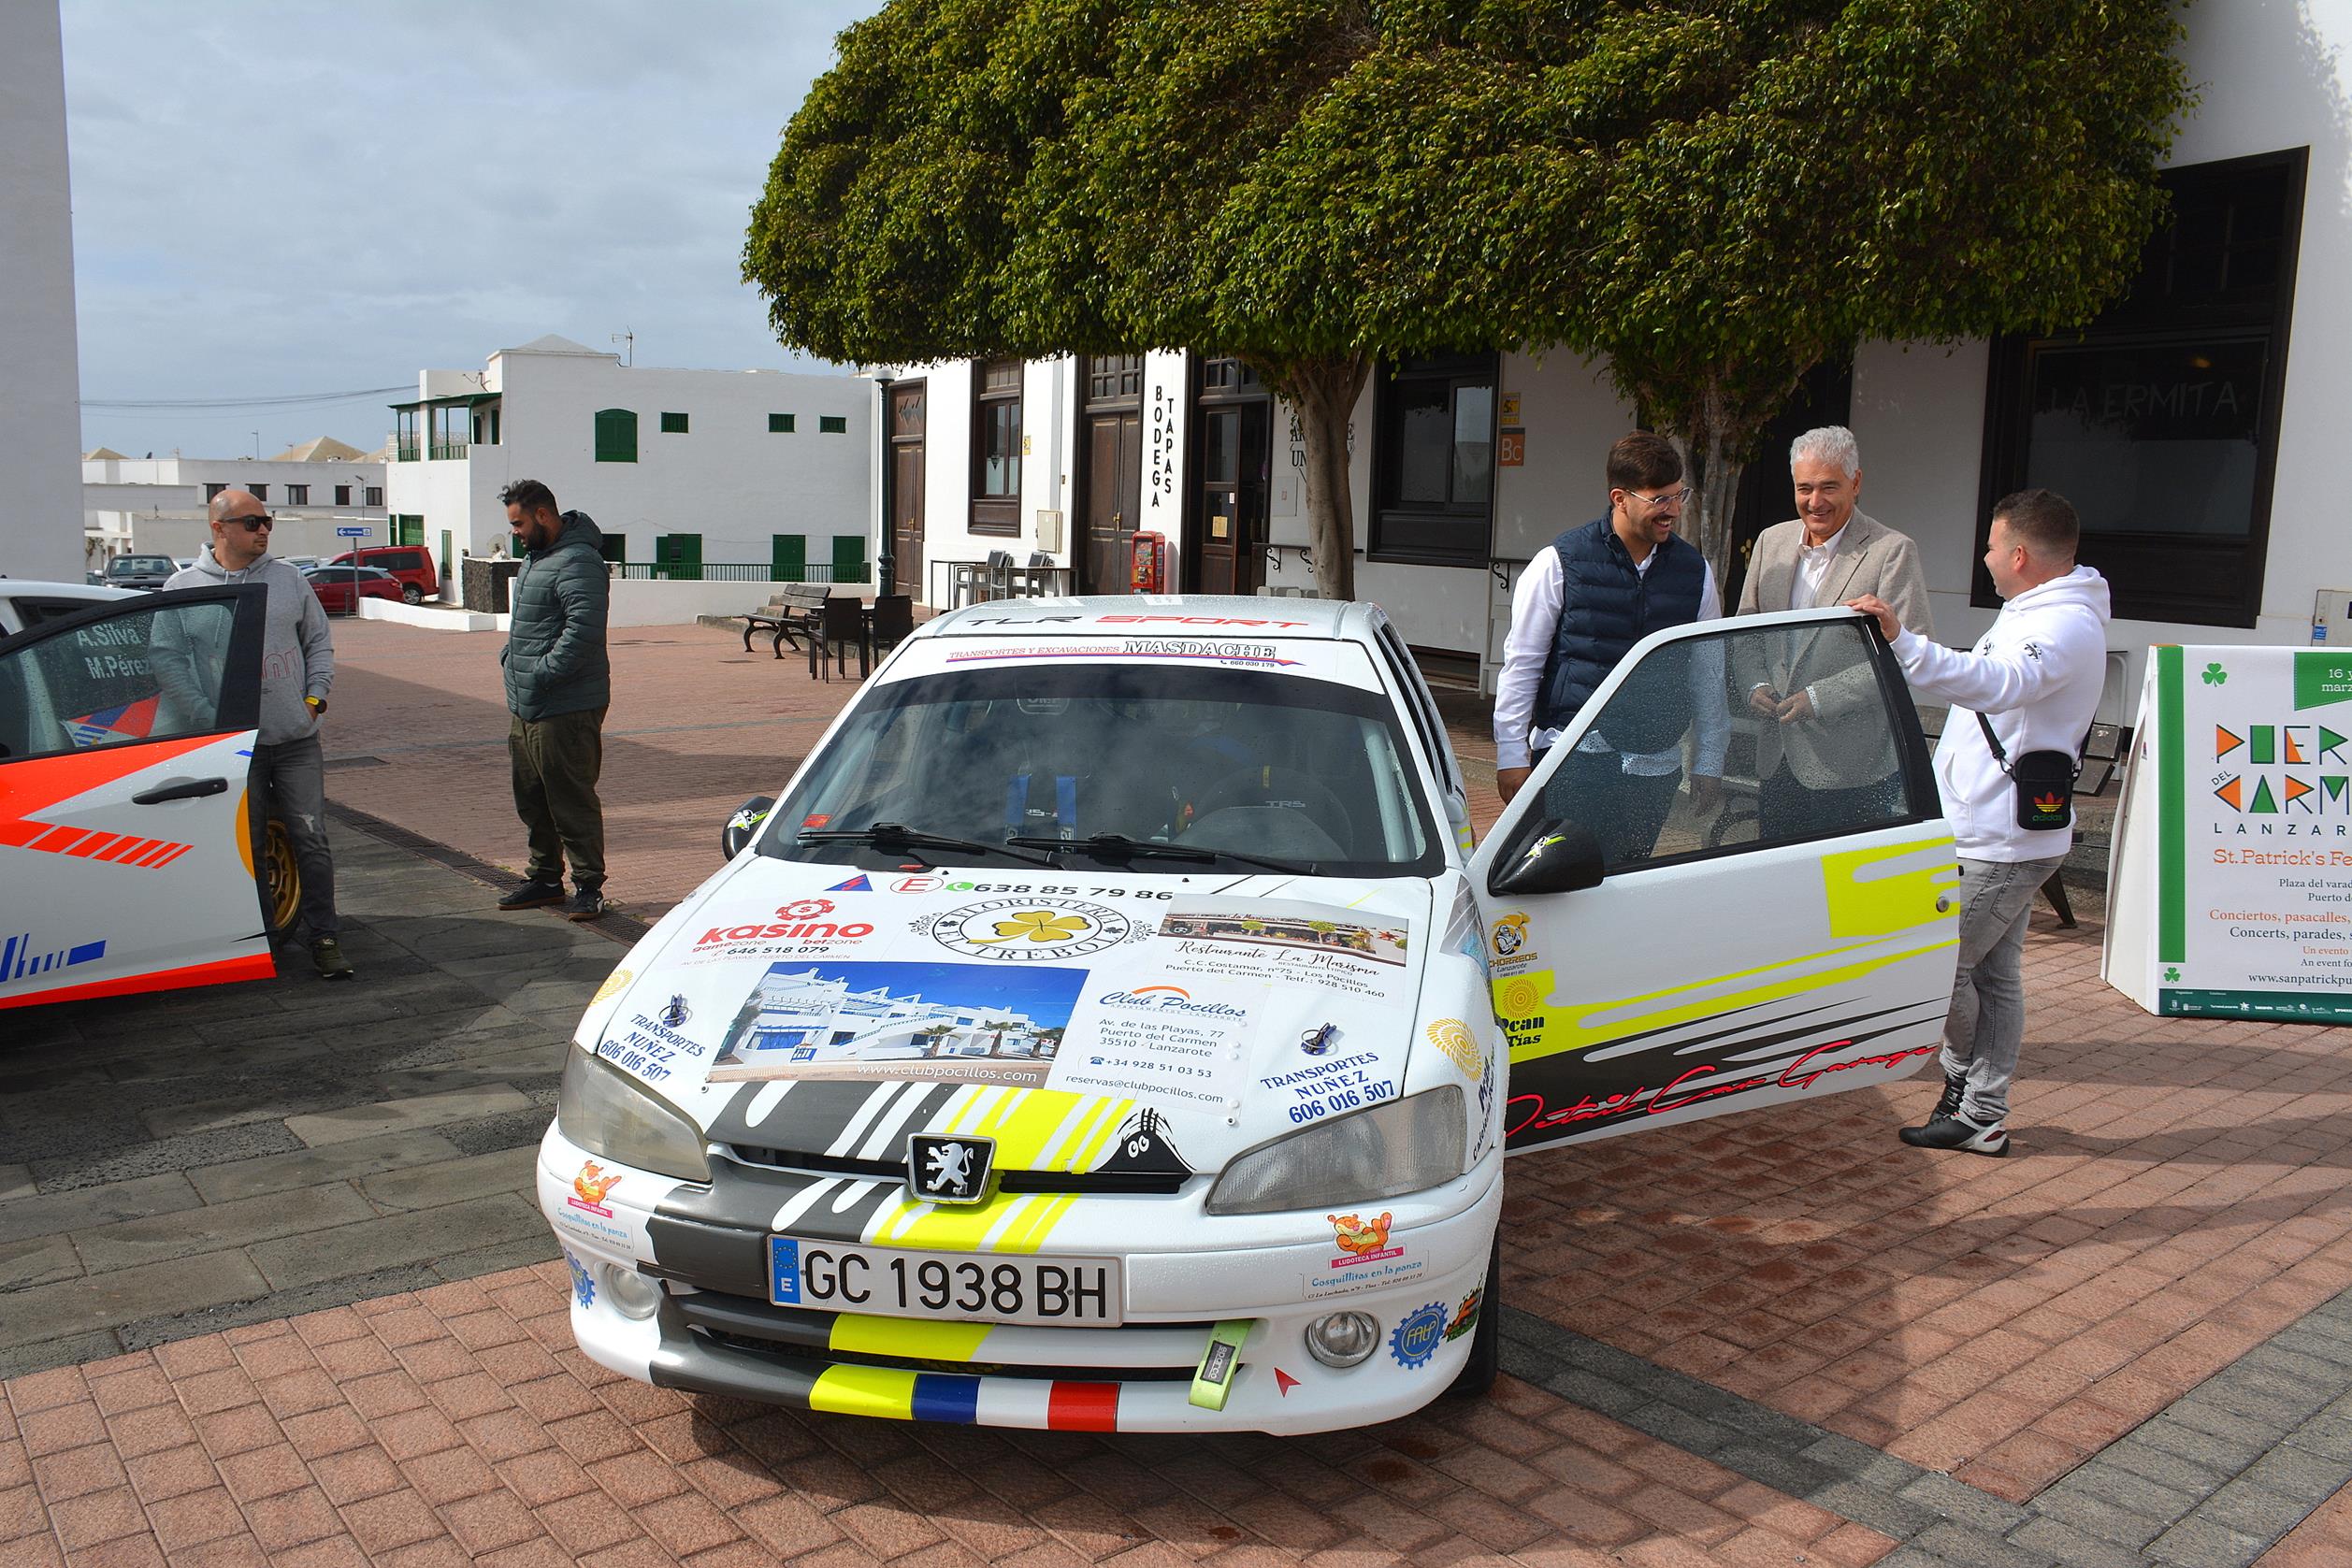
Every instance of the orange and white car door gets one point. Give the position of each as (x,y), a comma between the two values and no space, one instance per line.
(126,742)
(1756,952)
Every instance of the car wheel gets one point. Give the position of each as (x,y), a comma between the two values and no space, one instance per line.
(1478,1372)
(411,593)
(281,877)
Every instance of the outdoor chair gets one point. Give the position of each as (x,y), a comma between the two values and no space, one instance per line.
(893,621)
(840,627)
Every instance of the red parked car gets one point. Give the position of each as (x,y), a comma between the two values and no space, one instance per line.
(411,564)
(339,594)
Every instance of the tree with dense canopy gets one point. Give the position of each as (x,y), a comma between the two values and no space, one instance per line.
(1712,196)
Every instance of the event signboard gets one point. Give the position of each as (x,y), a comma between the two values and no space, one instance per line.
(2230,873)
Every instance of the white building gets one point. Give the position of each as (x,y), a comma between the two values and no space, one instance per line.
(684,471)
(40,390)
(2193,425)
(805,1017)
(317,491)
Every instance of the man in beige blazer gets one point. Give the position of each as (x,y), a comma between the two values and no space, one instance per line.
(1825,760)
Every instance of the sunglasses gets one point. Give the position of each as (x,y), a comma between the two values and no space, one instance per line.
(254,524)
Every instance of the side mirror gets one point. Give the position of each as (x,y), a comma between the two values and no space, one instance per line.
(745,824)
(1557,857)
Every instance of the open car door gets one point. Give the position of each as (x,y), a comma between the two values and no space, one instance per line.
(127,744)
(1654,961)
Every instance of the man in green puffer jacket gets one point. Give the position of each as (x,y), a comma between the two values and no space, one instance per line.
(559,683)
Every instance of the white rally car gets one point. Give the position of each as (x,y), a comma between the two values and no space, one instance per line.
(1113,1027)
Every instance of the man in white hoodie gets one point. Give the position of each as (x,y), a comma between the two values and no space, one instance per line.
(2036,678)
(297,670)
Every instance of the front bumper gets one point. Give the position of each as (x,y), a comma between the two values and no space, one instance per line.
(711,1333)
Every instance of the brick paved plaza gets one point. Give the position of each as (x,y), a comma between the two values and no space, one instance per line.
(270,1290)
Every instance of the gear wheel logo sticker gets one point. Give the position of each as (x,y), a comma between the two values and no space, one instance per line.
(1416,1340)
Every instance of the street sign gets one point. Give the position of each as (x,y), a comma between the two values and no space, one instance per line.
(353,533)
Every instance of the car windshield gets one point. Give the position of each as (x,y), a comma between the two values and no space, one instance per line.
(126,565)
(1289,770)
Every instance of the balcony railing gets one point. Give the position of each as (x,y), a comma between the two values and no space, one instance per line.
(404,452)
(732,572)
(448,449)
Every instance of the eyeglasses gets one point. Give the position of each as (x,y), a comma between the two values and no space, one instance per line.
(258,521)
(1671,498)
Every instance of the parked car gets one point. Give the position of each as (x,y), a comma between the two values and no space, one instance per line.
(301,563)
(24,602)
(139,571)
(1115,1028)
(413,564)
(127,725)
(339,587)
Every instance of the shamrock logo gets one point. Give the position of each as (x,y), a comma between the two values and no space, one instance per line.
(2214,675)
(2171,974)
(1039,925)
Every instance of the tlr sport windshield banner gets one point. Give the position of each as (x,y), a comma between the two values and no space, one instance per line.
(2253,815)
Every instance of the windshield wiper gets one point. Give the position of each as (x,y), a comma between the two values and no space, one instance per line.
(897,836)
(1118,846)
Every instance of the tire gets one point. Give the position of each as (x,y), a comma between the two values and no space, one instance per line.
(411,593)
(281,878)
(1478,1374)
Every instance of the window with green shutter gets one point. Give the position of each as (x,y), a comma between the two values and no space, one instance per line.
(615,436)
(788,557)
(832,424)
(779,425)
(673,425)
(849,557)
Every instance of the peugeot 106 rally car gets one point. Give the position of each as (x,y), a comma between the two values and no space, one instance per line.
(1113,1027)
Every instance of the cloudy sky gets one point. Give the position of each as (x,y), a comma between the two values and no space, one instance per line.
(273,197)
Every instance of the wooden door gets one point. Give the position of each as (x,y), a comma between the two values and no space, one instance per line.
(1230,527)
(1113,470)
(907,486)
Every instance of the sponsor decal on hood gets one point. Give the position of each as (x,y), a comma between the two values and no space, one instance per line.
(792,1013)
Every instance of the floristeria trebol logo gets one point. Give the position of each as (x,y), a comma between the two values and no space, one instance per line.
(2283,781)
(1028,930)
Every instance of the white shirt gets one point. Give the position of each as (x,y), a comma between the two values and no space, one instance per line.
(2036,674)
(1812,565)
(1536,620)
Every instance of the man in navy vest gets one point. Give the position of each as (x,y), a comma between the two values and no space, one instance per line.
(1590,596)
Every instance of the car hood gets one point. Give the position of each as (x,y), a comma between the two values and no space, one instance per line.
(1097,1022)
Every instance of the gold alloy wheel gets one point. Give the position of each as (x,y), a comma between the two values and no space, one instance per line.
(281,877)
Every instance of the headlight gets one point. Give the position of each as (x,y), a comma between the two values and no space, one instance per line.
(610,1113)
(1401,1147)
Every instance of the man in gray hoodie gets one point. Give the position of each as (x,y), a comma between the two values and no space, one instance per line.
(558,682)
(297,670)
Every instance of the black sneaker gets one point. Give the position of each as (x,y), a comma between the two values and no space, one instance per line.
(534,894)
(1948,1102)
(586,904)
(328,955)
(1958,1132)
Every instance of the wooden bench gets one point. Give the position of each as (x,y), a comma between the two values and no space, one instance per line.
(792,613)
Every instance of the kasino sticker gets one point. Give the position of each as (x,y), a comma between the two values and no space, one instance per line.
(1028,930)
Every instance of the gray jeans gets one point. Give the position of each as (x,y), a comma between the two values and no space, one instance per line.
(293,780)
(1987,1022)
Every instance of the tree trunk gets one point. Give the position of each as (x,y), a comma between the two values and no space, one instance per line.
(1712,473)
(1323,391)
